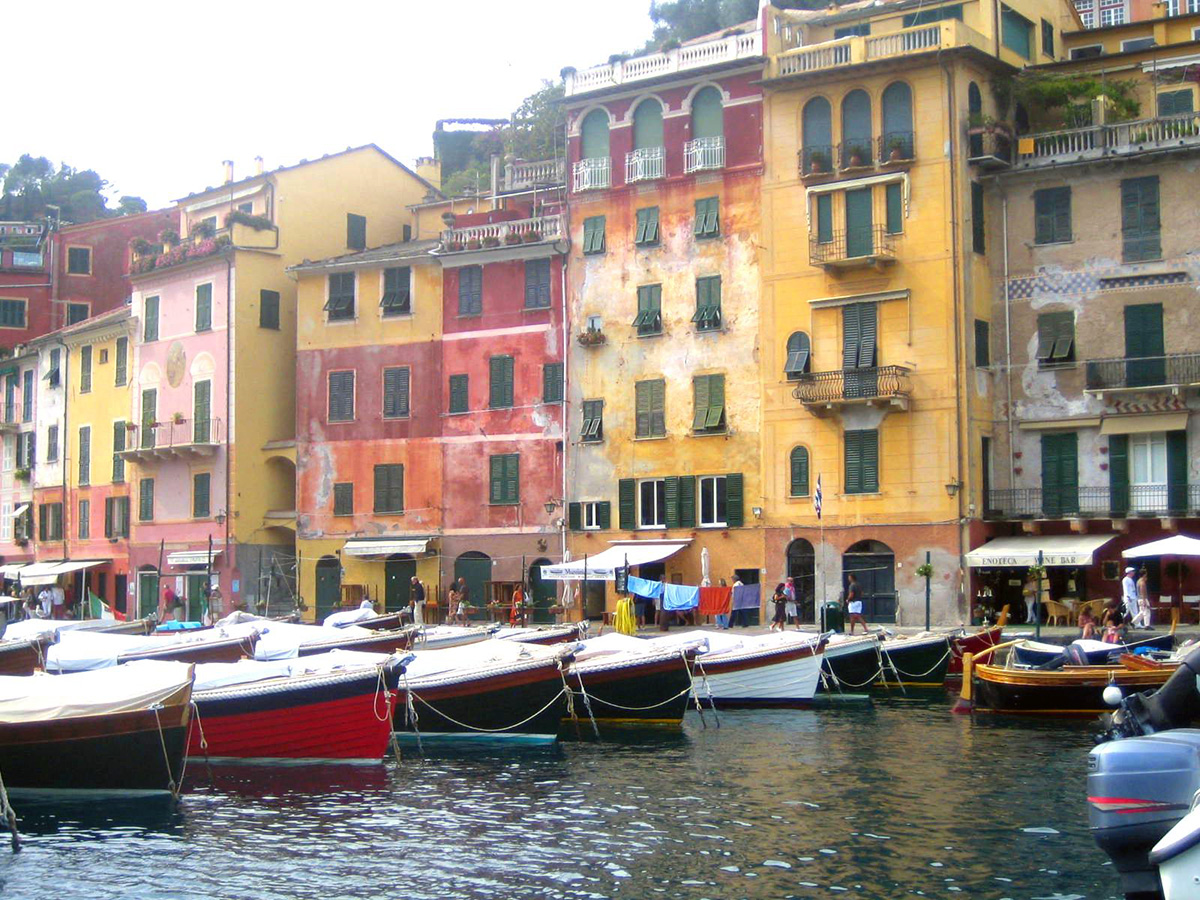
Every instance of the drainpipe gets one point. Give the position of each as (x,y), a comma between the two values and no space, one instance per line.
(1007,337)
(566,339)
(228,405)
(65,442)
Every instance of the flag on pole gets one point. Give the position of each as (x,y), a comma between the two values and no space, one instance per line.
(817,496)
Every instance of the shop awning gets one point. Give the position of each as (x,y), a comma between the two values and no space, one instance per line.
(20,510)
(192,557)
(1176,421)
(1056,549)
(48,572)
(603,566)
(385,547)
(11,570)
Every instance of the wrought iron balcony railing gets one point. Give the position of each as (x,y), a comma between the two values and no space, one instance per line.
(865,245)
(1087,502)
(897,146)
(845,386)
(816,159)
(855,153)
(1153,371)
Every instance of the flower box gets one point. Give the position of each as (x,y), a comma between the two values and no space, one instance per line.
(532,237)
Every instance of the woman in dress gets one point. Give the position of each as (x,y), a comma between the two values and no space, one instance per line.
(779,623)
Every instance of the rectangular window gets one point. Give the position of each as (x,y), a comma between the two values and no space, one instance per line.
(713,501)
(1134,43)
(85,455)
(54,374)
(118,462)
(343,498)
(396,392)
(470,291)
(500,382)
(708,222)
(593,235)
(201,505)
(1052,215)
(1174,103)
(247,207)
(116,517)
(649,314)
(10,447)
(862,29)
(1056,339)
(50,522)
(458,394)
(537,284)
(340,305)
(1016,32)
(929,16)
(646,232)
(709,410)
(860,225)
(356,231)
(708,303)
(85,515)
(593,421)
(27,395)
(1047,38)
(552,383)
(10,398)
(52,444)
(12,313)
(652,503)
(150,320)
(341,396)
(202,412)
(650,408)
(6,520)
(397,292)
(1089,52)
(978,230)
(268,309)
(79,261)
(596,515)
(30,456)
(85,369)
(76,312)
(894,196)
(983,355)
(389,488)
(862,462)
(146,500)
(1140,226)
(121,367)
(504,479)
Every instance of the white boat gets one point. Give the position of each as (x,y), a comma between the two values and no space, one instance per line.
(1177,856)
(439,637)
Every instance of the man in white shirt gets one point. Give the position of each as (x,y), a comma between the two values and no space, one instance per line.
(1129,595)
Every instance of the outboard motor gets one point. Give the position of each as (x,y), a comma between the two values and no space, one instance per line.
(1141,781)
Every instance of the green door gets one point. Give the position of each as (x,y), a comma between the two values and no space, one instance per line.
(648,125)
(397,582)
(147,594)
(543,592)
(197,603)
(476,568)
(329,586)
(1060,474)
(858,223)
(1144,349)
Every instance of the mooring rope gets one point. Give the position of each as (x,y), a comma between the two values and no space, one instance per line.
(10,816)
(512,727)
(712,703)
(174,788)
(587,703)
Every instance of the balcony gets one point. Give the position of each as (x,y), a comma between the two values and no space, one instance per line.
(174,440)
(1172,372)
(897,147)
(825,391)
(1079,145)
(505,236)
(989,148)
(645,164)
(816,160)
(704,154)
(526,176)
(855,154)
(849,51)
(592,174)
(1133,501)
(654,65)
(850,248)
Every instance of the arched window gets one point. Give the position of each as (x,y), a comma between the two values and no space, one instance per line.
(817,127)
(974,118)
(594,132)
(856,129)
(798,472)
(798,355)
(647,125)
(708,114)
(897,122)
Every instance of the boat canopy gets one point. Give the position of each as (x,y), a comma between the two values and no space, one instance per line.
(1056,550)
(603,566)
(134,686)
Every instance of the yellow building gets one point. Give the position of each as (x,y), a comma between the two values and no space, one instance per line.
(876,288)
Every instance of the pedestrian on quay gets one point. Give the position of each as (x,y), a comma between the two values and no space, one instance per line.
(854,604)
(1129,594)
(464,601)
(779,622)
(452,603)
(738,616)
(1087,624)
(417,600)
(516,613)
(792,611)
(1143,595)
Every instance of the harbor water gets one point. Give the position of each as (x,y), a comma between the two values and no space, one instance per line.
(896,799)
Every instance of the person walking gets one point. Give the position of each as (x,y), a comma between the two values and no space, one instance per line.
(1129,594)
(779,622)
(1143,595)
(464,601)
(417,596)
(790,608)
(452,603)
(738,616)
(854,604)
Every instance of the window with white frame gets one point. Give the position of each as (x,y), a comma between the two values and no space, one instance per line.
(6,520)
(712,500)
(10,451)
(591,515)
(1182,7)
(1087,12)
(652,503)
(1148,459)
(1113,12)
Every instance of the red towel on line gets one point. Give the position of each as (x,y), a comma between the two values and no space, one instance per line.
(715,601)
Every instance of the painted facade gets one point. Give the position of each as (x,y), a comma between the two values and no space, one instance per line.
(18,428)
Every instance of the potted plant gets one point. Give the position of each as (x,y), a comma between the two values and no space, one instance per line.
(131,426)
(818,162)
(591,336)
(140,246)
(474,244)
(856,157)
(169,237)
(491,241)
(21,474)
(202,230)
(454,246)
(532,237)
(177,418)
(897,148)
(924,570)
(512,238)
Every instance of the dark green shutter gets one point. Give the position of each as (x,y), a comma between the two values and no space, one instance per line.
(85,370)
(1060,474)
(626,504)
(594,135)
(983,356)
(512,478)
(604,515)
(500,382)
(458,393)
(859,237)
(853,463)
(799,472)
(396,392)
(700,402)
(552,383)
(978,222)
(671,492)
(122,363)
(1140,224)
(869,444)
(396,489)
(894,195)
(593,235)
(707,114)
(687,501)
(118,466)
(1177,471)
(1052,215)
(150,327)
(1173,103)
(85,455)
(380,498)
(1144,347)
(149,407)
(146,499)
(203,307)
(734,490)
(1118,473)
(200,496)
(824,218)
(575,516)
(202,412)
(356,232)
(108,517)
(1015,32)
(643,397)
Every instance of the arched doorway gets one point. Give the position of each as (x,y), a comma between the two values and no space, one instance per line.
(147,591)
(476,568)
(801,568)
(542,591)
(398,572)
(329,586)
(874,565)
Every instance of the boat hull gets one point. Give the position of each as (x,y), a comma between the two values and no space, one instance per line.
(226,650)
(21,657)
(777,678)
(1070,692)
(916,663)
(971,643)
(546,636)
(855,667)
(653,691)
(382,642)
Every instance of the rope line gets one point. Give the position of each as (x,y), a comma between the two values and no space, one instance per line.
(512,727)
(712,703)
(682,693)
(10,816)
(174,788)
(587,703)
(410,714)
(926,672)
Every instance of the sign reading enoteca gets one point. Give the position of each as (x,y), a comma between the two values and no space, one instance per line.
(1056,550)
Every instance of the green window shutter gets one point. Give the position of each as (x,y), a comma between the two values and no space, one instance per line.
(1060,473)
(604,515)
(626,504)
(1052,215)
(396,489)
(642,394)
(121,366)
(799,472)
(202,412)
(894,195)
(649,317)
(470,291)
(537,284)
(707,222)
(201,507)
(552,383)
(380,492)
(646,232)
(1047,38)
(1140,225)
(983,357)
(1056,338)
(1177,471)
(149,413)
(734,489)
(341,396)
(495,479)
(860,237)
(356,231)
(853,451)
(658,408)
(458,393)
(150,326)
(824,218)
(85,515)
(687,501)
(268,309)
(396,392)
(108,517)
(203,307)
(929,16)
(500,384)
(575,516)
(146,500)
(1016,32)
(594,135)
(593,235)
(512,478)
(1174,103)
(1118,473)
(343,498)
(707,114)
(700,402)
(85,369)
(671,493)
(869,444)
(978,223)
(118,463)
(85,455)
(1144,346)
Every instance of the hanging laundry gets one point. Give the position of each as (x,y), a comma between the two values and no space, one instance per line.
(745,596)
(680,596)
(715,601)
(643,588)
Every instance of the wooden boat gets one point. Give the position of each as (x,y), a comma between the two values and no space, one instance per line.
(313,709)
(976,642)
(21,657)
(1070,691)
(919,661)
(628,684)
(284,640)
(851,661)
(440,637)
(1098,653)
(543,634)
(119,730)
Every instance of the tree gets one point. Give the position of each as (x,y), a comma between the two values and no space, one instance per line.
(33,184)
(130,206)
(682,20)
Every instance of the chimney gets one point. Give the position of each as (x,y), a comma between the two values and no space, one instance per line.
(258,165)
(430,169)
(228,164)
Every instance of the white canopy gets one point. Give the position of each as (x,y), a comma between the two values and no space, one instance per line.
(137,685)
(191,557)
(384,547)
(1056,549)
(603,566)
(1176,545)
(48,572)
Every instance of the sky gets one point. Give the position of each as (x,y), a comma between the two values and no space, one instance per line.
(153,96)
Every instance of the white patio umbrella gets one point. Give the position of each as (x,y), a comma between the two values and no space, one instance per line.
(1175,545)
(705,577)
